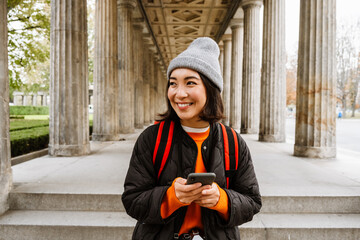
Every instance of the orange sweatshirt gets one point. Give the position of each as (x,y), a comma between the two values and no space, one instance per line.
(192,219)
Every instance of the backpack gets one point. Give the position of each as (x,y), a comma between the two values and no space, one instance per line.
(163,146)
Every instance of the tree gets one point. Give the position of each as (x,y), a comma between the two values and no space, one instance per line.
(91,37)
(29,44)
(354,87)
(347,61)
(291,77)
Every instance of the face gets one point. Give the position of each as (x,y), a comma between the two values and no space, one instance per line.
(187,96)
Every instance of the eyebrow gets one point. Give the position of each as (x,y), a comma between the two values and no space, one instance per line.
(186,78)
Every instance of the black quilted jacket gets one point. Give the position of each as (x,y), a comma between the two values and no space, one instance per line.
(143,193)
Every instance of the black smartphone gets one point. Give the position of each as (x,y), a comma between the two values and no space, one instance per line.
(203,178)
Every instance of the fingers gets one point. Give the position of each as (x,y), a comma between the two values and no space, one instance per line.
(209,197)
(205,196)
(187,193)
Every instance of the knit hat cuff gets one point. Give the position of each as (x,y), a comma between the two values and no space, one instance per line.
(198,65)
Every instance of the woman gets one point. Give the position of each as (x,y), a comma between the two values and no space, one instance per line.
(168,208)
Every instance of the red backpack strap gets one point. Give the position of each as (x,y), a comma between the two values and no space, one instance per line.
(231,152)
(163,145)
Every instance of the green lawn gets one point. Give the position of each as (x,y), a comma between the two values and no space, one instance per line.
(31,132)
(36,117)
(21,124)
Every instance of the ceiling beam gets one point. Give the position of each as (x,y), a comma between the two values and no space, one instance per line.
(143,12)
(232,10)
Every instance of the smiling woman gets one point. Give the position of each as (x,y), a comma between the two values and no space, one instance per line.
(157,194)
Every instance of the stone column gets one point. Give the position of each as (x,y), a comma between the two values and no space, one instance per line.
(42,99)
(315,134)
(34,99)
(226,77)
(250,111)
(221,57)
(106,115)
(161,89)
(26,100)
(146,78)
(22,100)
(236,72)
(273,75)
(5,162)
(138,75)
(152,87)
(126,101)
(69,120)
(155,87)
(18,98)
(44,102)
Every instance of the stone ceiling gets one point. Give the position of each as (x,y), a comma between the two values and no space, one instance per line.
(173,24)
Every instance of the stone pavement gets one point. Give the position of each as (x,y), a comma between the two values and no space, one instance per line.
(278,172)
(298,194)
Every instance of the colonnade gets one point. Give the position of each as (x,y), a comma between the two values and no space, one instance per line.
(262,101)
(120,80)
(130,80)
(30,99)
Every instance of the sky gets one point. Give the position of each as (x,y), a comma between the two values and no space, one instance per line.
(346,10)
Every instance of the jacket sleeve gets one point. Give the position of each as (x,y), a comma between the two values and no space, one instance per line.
(142,197)
(244,195)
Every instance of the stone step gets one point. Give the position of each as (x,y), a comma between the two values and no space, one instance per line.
(302,226)
(65,225)
(112,202)
(75,225)
(66,201)
(339,204)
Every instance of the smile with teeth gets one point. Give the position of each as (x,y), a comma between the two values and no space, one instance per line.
(184,104)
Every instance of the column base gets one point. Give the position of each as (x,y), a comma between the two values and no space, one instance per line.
(139,126)
(314,152)
(69,150)
(271,138)
(105,137)
(5,187)
(127,130)
(234,126)
(249,131)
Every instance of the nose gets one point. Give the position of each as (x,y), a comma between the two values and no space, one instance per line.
(181,92)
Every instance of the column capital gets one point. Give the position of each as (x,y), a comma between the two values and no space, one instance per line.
(153,49)
(226,37)
(236,23)
(221,45)
(249,3)
(127,3)
(138,24)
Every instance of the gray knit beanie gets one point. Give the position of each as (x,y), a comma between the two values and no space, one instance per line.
(202,55)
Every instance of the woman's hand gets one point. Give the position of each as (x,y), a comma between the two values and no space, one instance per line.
(188,193)
(209,196)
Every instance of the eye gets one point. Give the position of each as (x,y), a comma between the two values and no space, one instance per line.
(191,83)
(171,84)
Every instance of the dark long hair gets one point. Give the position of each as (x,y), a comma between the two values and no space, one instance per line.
(213,110)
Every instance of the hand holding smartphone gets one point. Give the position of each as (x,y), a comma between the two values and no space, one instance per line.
(203,178)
